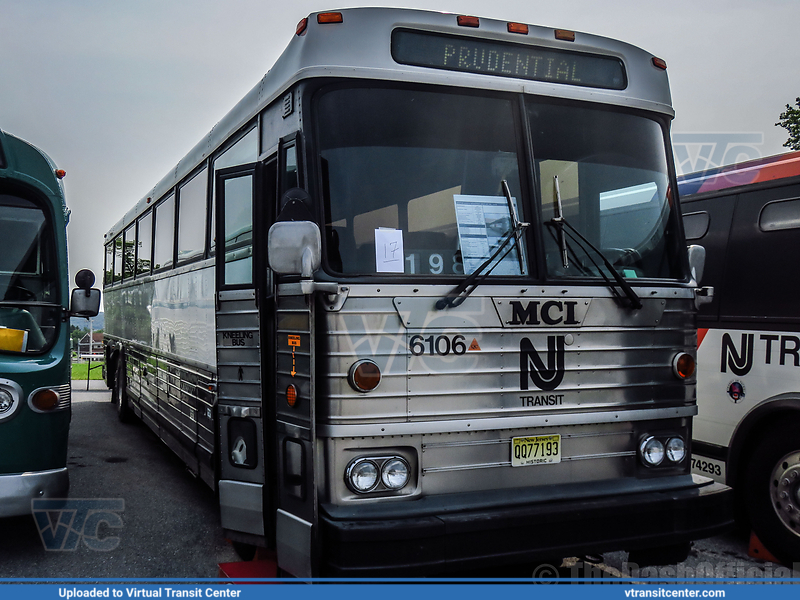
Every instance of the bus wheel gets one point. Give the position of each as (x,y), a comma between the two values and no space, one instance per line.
(123,410)
(772,491)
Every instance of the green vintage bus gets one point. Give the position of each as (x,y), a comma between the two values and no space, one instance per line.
(34,327)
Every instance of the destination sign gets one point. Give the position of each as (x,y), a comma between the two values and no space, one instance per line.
(473,55)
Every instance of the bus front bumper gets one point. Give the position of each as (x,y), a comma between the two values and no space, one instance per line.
(451,541)
(17,491)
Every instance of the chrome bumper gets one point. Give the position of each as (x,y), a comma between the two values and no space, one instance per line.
(17,491)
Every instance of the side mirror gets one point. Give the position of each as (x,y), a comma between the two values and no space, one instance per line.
(294,248)
(85,301)
(697,262)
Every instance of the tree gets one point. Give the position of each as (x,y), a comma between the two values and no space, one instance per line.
(790,120)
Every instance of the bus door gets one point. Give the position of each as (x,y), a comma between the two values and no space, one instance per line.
(296,517)
(241,351)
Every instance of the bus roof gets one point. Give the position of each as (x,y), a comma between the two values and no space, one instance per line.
(359,47)
(761,170)
(25,163)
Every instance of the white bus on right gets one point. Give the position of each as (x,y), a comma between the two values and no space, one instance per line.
(747,431)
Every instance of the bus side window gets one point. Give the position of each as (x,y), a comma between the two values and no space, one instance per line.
(708,223)
(109,270)
(163,252)
(129,251)
(696,225)
(118,258)
(764,240)
(144,251)
(192,217)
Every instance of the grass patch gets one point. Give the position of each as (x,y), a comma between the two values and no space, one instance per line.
(79,370)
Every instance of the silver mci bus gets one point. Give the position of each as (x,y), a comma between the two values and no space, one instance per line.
(422,302)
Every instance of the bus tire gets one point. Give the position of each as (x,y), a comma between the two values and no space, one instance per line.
(772,490)
(123,409)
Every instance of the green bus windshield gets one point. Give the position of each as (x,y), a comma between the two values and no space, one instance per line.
(29,310)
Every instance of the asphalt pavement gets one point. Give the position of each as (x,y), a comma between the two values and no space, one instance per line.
(166,525)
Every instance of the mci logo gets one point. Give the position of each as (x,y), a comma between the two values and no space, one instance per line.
(547,376)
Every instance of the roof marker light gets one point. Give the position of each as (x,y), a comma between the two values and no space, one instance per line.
(565,35)
(301,27)
(330,17)
(518,28)
(660,63)
(61,173)
(466,21)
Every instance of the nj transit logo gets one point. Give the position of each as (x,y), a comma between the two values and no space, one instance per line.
(548,376)
(63,523)
(738,360)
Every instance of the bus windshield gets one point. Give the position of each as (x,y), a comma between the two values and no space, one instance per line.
(413,181)
(29,313)
(613,187)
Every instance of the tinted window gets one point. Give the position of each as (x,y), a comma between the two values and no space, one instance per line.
(608,171)
(696,225)
(412,181)
(780,215)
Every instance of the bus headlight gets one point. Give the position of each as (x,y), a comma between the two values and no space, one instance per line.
(394,473)
(6,401)
(676,449)
(377,474)
(10,395)
(362,475)
(651,451)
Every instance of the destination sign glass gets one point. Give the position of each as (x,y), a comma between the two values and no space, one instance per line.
(472,55)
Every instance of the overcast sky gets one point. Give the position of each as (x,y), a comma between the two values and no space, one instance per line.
(117,92)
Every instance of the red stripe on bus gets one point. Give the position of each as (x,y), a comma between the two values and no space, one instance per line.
(701,333)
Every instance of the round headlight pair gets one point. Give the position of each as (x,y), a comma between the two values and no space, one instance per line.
(652,450)
(363,474)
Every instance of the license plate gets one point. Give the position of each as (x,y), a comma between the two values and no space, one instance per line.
(535,450)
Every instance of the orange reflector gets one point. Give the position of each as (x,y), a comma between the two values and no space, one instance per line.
(301,26)
(684,365)
(291,395)
(465,21)
(660,63)
(45,400)
(565,35)
(61,173)
(518,28)
(330,17)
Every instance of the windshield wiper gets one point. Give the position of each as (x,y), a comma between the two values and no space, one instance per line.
(516,226)
(560,222)
(458,294)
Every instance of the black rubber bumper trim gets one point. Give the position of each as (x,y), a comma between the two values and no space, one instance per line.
(449,542)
